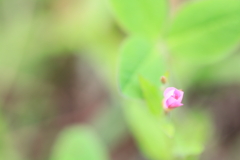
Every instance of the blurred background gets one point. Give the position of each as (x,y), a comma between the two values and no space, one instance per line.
(58,63)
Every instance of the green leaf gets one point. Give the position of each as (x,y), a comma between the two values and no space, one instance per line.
(205,31)
(152,96)
(221,73)
(167,126)
(139,57)
(78,143)
(148,132)
(141,17)
(192,157)
(192,132)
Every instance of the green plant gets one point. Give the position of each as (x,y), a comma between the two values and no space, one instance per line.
(201,33)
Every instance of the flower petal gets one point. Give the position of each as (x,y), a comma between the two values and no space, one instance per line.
(170,101)
(175,104)
(179,95)
(169,92)
(172,98)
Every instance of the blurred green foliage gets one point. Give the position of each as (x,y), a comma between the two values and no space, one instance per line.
(78,142)
(192,131)
(201,33)
(204,32)
(152,96)
(138,57)
(141,17)
(195,45)
(148,132)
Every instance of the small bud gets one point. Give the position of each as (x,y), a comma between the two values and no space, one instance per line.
(172,98)
(163,79)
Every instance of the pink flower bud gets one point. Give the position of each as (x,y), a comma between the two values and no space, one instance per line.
(172,98)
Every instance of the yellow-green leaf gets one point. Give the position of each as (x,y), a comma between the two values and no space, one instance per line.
(205,31)
(78,143)
(139,57)
(141,17)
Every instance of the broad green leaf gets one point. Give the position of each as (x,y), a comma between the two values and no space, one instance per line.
(152,96)
(141,17)
(147,131)
(78,143)
(205,31)
(139,57)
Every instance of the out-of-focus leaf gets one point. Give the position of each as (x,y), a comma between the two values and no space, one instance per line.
(192,132)
(221,73)
(77,30)
(147,130)
(205,31)
(152,96)
(167,126)
(7,148)
(192,157)
(139,57)
(141,17)
(78,143)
